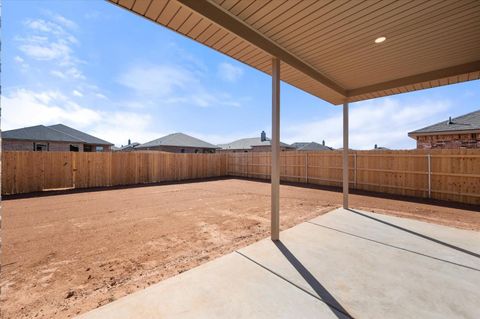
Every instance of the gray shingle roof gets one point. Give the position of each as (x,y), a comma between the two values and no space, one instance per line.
(248,143)
(467,122)
(39,133)
(128,146)
(87,138)
(54,133)
(312,146)
(297,145)
(178,139)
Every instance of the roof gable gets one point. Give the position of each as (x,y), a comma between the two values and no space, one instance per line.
(313,146)
(87,138)
(467,122)
(248,143)
(178,139)
(39,133)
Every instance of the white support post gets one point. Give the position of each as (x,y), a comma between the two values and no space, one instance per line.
(275,175)
(345,155)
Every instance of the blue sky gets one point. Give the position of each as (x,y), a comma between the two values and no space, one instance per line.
(101,69)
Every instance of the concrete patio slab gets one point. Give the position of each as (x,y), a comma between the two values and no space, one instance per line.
(228,287)
(376,266)
(345,263)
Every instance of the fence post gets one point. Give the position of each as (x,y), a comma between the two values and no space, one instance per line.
(306,168)
(247,163)
(355,170)
(74,169)
(429,164)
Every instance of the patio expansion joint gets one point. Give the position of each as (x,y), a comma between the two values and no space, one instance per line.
(393,246)
(294,284)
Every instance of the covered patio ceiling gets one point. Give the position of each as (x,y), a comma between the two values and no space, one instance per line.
(328,47)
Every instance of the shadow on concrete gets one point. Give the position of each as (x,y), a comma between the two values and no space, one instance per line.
(396,247)
(321,291)
(463,250)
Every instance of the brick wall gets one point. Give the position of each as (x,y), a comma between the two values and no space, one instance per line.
(16,145)
(451,141)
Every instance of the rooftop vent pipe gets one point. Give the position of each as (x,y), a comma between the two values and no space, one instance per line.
(263,136)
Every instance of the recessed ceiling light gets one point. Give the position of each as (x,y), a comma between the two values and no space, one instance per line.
(380,39)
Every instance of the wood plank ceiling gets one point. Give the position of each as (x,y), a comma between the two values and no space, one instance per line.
(327,47)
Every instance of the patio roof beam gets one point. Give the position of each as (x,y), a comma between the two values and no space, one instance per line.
(216,14)
(418,78)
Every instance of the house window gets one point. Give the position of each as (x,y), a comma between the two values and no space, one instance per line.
(99,149)
(182,150)
(73,148)
(40,147)
(87,148)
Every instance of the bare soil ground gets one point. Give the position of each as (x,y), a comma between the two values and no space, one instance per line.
(66,254)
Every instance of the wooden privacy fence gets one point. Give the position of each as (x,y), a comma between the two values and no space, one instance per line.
(25,172)
(452,175)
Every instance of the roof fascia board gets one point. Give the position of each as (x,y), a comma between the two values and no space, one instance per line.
(413,134)
(418,78)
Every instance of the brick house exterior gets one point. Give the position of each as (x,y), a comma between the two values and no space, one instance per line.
(55,138)
(19,145)
(459,132)
(178,143)
(253,144)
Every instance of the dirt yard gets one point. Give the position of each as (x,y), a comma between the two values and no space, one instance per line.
(66,254)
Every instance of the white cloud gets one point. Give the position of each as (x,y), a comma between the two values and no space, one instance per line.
(385,122)
(64,21)
(21,62)
(22,108)
(118,127)
(173,84)
(44,26)
(49,41)
(77,93)
(157,80)
(101,96)
(229,72)
(93,15)
(40,48)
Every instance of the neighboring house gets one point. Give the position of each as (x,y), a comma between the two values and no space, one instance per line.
(459,132)
(311,146)
(253,144)
(178,143)
(60,138)
(127,148)
(379,148)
